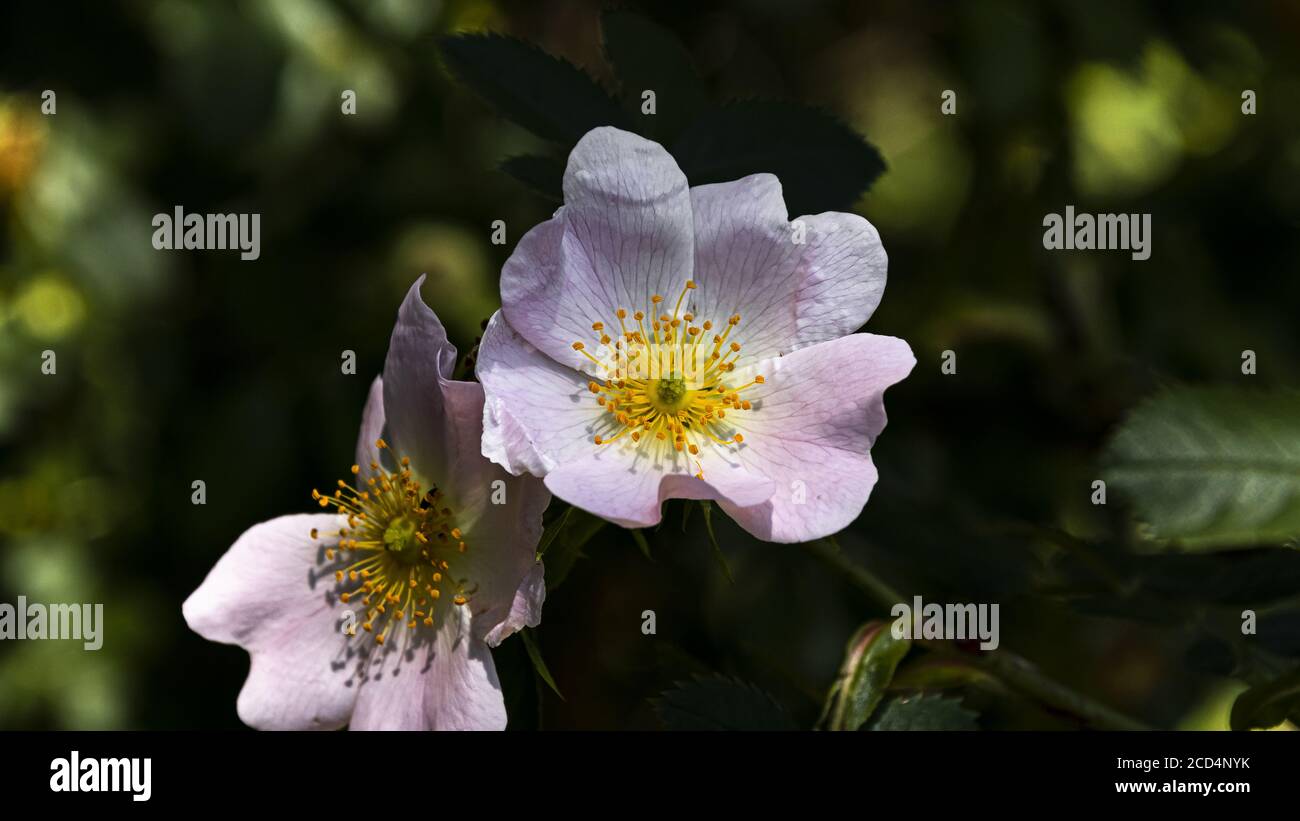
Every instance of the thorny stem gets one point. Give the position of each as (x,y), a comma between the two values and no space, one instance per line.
(1015,671)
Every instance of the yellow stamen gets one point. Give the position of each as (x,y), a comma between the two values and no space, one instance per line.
(399,535)
(661,386)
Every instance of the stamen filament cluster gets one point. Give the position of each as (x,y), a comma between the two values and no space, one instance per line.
(665,385)
(398,548)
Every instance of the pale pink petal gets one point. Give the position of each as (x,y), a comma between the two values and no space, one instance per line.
(444,682)
(623,234)
(268,595)
(420,360)
(794,284)
(539,414)
(629,489)
(500,515)
(500,559)
(525,610)
(372,429)
(811,431)
(542,418)
(841,277)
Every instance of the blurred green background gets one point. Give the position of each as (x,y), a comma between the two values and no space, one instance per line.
(181,366)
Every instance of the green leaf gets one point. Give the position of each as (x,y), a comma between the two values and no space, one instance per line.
(578,529)
(1267,705)
(640,539)
(544,175)
(550,97)
(823,164)
(720,703)
(552,531)
(707,507)
(1212,467)
(647,56)
(535,656)
(869,663)
(924,712)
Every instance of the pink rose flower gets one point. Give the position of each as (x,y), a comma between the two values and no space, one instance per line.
(379,611)
(659,341)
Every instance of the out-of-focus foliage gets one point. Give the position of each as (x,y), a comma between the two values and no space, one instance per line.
(174,367)
(1213,467)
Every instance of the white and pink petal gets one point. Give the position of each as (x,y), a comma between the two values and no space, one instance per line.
(623,235)
(420,360)
(811,432)
(629,489)
(443,681)
(269,595)
(539,414)
(793,284)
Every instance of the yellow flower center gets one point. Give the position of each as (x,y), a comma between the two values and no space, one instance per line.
(667,386)
(398,548)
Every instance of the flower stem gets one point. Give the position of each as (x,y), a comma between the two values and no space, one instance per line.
(1013,670)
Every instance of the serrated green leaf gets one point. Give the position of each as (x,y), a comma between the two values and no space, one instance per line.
(1267,705)
(823,164)
(720,703)
(544,175)
(550,97)
(1212,467)
(535,656)
(707,507)
(924,712)
(647,56)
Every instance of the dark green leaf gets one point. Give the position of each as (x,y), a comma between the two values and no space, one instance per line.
(552,531)
(707,507)
(647,56)
(1267,705)
(581,526)
(544,175)
(924,712)
(535,656)
(1212,467)
(823,164)
(550,97)
(720,703)
(640,539)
